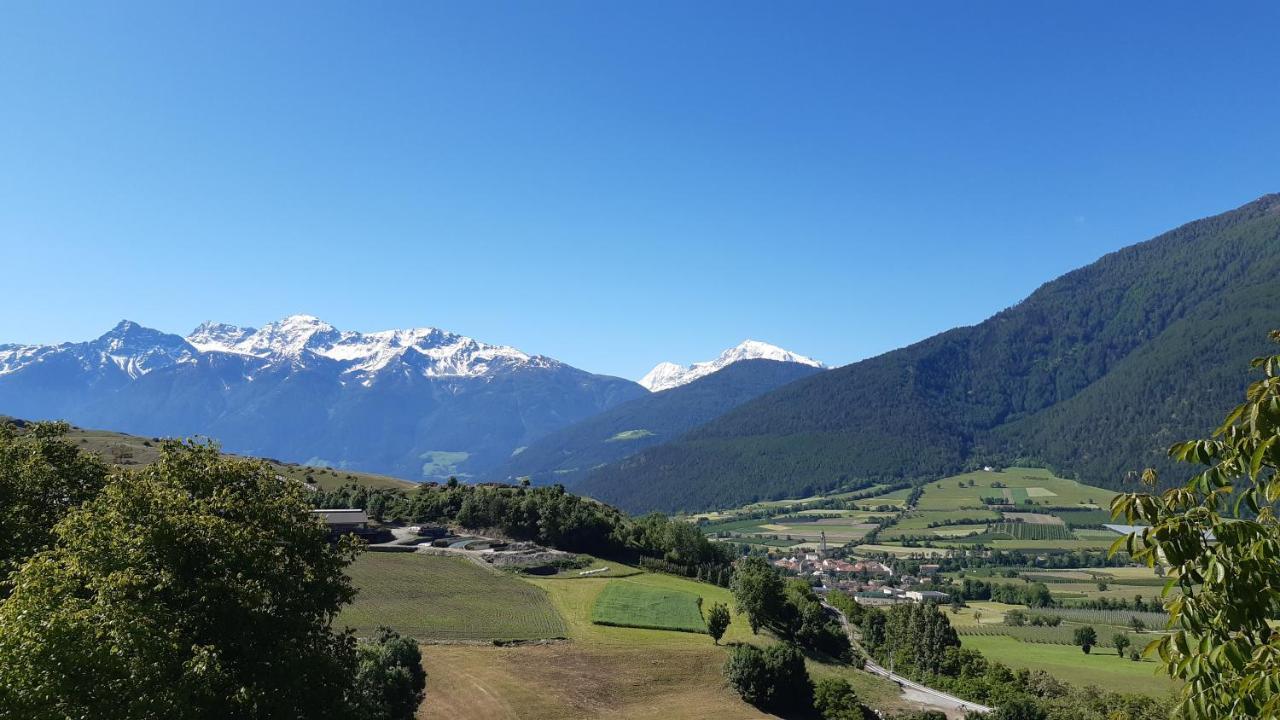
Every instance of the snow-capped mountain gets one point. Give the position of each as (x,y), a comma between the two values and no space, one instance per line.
(435,353)
(666,375)
(422,403)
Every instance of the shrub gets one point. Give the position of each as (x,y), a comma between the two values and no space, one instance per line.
(835,699)
(774,679)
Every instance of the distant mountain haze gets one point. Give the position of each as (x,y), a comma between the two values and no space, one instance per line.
(568,454)
(1096,374)
(419,403)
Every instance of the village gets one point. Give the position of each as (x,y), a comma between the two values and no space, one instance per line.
(869,582)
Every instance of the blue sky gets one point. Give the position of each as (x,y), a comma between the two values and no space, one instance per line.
(611,184)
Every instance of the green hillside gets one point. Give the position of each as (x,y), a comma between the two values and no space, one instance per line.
(569,454)
(1095,373)
(131,450)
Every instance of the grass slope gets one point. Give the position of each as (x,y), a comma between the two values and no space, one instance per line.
(628,604)
(114,446)
(446,598)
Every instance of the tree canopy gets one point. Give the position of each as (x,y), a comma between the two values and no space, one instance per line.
(1219,537)
(197,587)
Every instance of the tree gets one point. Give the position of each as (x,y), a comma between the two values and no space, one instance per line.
(1121,641)
(835,699)
(717,621)
(757,591)
(1136,623)
(1219,538)
(1086,637)
(199,587)
(773,679)
(43,476)
(1102,586)
(1018,709)
(389,682)
(1015,618)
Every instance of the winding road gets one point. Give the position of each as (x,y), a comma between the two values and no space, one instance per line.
(913,691)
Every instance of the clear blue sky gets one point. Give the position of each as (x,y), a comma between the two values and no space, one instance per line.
(612,184)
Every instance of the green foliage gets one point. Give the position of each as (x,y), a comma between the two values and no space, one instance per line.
(758,592)
(1086,637)
(835,699)
(717,621)
(198,587)
(1224,556)
(389,681)
(773,679)
(910,636)
(1120,641)
(43,476)
(1089,375)
(1019,709)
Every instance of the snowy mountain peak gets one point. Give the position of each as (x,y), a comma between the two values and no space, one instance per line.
(666,375)
(216,336)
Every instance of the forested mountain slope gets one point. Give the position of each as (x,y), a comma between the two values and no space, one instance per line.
(568,454)
(1096,372)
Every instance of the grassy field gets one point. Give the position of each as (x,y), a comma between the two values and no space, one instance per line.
(446,598)
(1069,663)
(636,605)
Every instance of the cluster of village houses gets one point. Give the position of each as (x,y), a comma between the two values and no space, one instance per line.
(870,582)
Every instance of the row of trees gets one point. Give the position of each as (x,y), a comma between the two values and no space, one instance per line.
(553,517)
(197,587)
(1036,595)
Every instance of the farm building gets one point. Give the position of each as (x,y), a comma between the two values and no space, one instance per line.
(344,521)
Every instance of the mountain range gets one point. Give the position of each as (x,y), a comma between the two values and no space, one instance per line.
(420,403)
(1095,374)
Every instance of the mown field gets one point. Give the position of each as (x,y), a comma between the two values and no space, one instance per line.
(628,604)
(605,671)
(446,598)
(1069,663)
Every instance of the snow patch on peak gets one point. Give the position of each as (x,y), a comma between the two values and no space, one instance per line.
(666,375)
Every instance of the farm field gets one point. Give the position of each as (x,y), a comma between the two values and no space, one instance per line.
(957,508)
(446,598)
(634,605)
(608,672)
(1066,662)
(1035,484)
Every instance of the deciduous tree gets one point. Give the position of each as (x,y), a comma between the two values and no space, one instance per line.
(1219,537)
(717,621)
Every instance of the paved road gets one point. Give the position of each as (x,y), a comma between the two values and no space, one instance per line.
(914,691)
